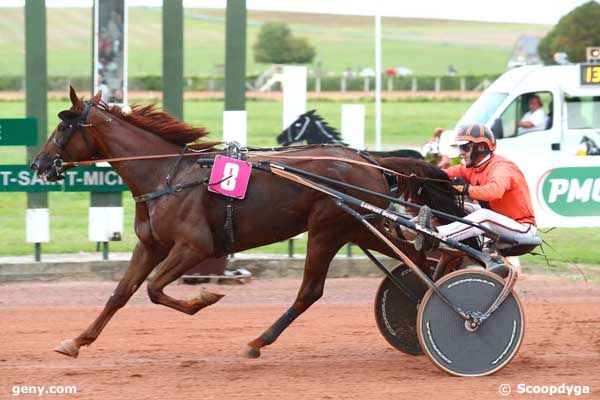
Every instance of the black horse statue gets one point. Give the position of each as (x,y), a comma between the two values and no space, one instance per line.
(313,129)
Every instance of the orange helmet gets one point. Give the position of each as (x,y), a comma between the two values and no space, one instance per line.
(476,134)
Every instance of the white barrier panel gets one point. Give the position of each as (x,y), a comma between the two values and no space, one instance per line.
(565,191)
(37,227)
(105,224)
(235,127)
(353,125)
(294,80)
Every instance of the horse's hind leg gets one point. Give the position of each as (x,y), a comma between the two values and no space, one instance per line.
(322,247)
(143,261)
(181,258)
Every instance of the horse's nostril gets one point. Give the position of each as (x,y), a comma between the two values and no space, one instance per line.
(34,166)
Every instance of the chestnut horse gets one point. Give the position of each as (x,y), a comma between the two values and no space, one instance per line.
(180,230)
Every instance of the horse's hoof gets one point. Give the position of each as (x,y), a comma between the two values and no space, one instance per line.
(209,298)
(250,352)
(68,348)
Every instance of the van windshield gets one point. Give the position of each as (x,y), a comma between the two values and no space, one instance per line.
(483,108)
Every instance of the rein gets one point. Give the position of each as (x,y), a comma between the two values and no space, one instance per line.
(258,154)
(317,158)
(133,158)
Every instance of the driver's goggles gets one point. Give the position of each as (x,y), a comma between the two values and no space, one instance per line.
(466,147)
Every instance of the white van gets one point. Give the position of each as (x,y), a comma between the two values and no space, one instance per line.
(565,187)
(571,105)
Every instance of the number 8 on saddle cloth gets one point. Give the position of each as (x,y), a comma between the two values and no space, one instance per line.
(229,177)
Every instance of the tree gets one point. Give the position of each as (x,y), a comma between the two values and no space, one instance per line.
(276,45)
(573,33)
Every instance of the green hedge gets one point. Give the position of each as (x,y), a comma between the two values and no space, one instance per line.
(208,83)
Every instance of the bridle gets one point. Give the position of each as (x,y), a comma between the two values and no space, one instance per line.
(68,127)
(291,138)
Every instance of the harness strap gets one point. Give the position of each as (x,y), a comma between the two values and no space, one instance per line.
(167,190)
(391,178)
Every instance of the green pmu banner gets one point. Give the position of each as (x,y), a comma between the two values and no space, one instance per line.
(19,178)
(572,191)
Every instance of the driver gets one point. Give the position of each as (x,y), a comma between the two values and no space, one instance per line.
(495,182)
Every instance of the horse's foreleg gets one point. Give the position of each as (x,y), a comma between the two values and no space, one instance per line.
(142,262)
(321,249)
(180,259)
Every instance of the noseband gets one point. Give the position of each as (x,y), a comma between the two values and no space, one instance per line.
(68,127)
(291,138)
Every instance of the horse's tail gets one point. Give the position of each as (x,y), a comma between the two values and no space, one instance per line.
(423,183)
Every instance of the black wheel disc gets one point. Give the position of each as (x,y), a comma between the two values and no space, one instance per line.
(466,352)
(396,313)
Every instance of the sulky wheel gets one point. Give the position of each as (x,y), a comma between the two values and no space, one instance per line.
(461,349)
(396,313)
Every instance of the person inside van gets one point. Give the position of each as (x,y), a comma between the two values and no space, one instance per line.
(535,119)
(495,182)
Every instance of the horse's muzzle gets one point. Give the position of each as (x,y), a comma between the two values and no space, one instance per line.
(48,169)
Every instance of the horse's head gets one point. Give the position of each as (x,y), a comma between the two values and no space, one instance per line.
(70,140)
(296,132)
(310,128)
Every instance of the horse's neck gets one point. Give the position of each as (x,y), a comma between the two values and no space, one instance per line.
(122,139)
(318,134)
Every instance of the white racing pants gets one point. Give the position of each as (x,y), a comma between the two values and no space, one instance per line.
(496,222)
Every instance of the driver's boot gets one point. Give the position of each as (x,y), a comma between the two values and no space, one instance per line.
(422,241)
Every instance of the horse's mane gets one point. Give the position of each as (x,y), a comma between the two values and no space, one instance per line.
(161,123)
(330,129)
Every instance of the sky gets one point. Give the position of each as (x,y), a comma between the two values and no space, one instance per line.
(520,11)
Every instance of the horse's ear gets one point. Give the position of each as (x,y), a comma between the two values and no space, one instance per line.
(96,99)
(74,99)
(311,112)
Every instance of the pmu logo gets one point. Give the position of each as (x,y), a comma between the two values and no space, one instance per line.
(572,191)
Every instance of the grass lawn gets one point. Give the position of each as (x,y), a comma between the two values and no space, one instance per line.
(428,47)
(405,124)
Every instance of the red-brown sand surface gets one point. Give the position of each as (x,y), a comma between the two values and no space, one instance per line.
(333,351)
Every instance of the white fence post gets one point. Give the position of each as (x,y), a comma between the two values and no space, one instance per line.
(353,125)
(294,93)
(235,126)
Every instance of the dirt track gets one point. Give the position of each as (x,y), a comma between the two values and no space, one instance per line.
(334,351)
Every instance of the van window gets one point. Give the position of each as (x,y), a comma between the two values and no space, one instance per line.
(518,119)
(483,108)
(583,112)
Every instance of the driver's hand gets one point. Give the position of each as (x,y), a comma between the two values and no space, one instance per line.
(460,185)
